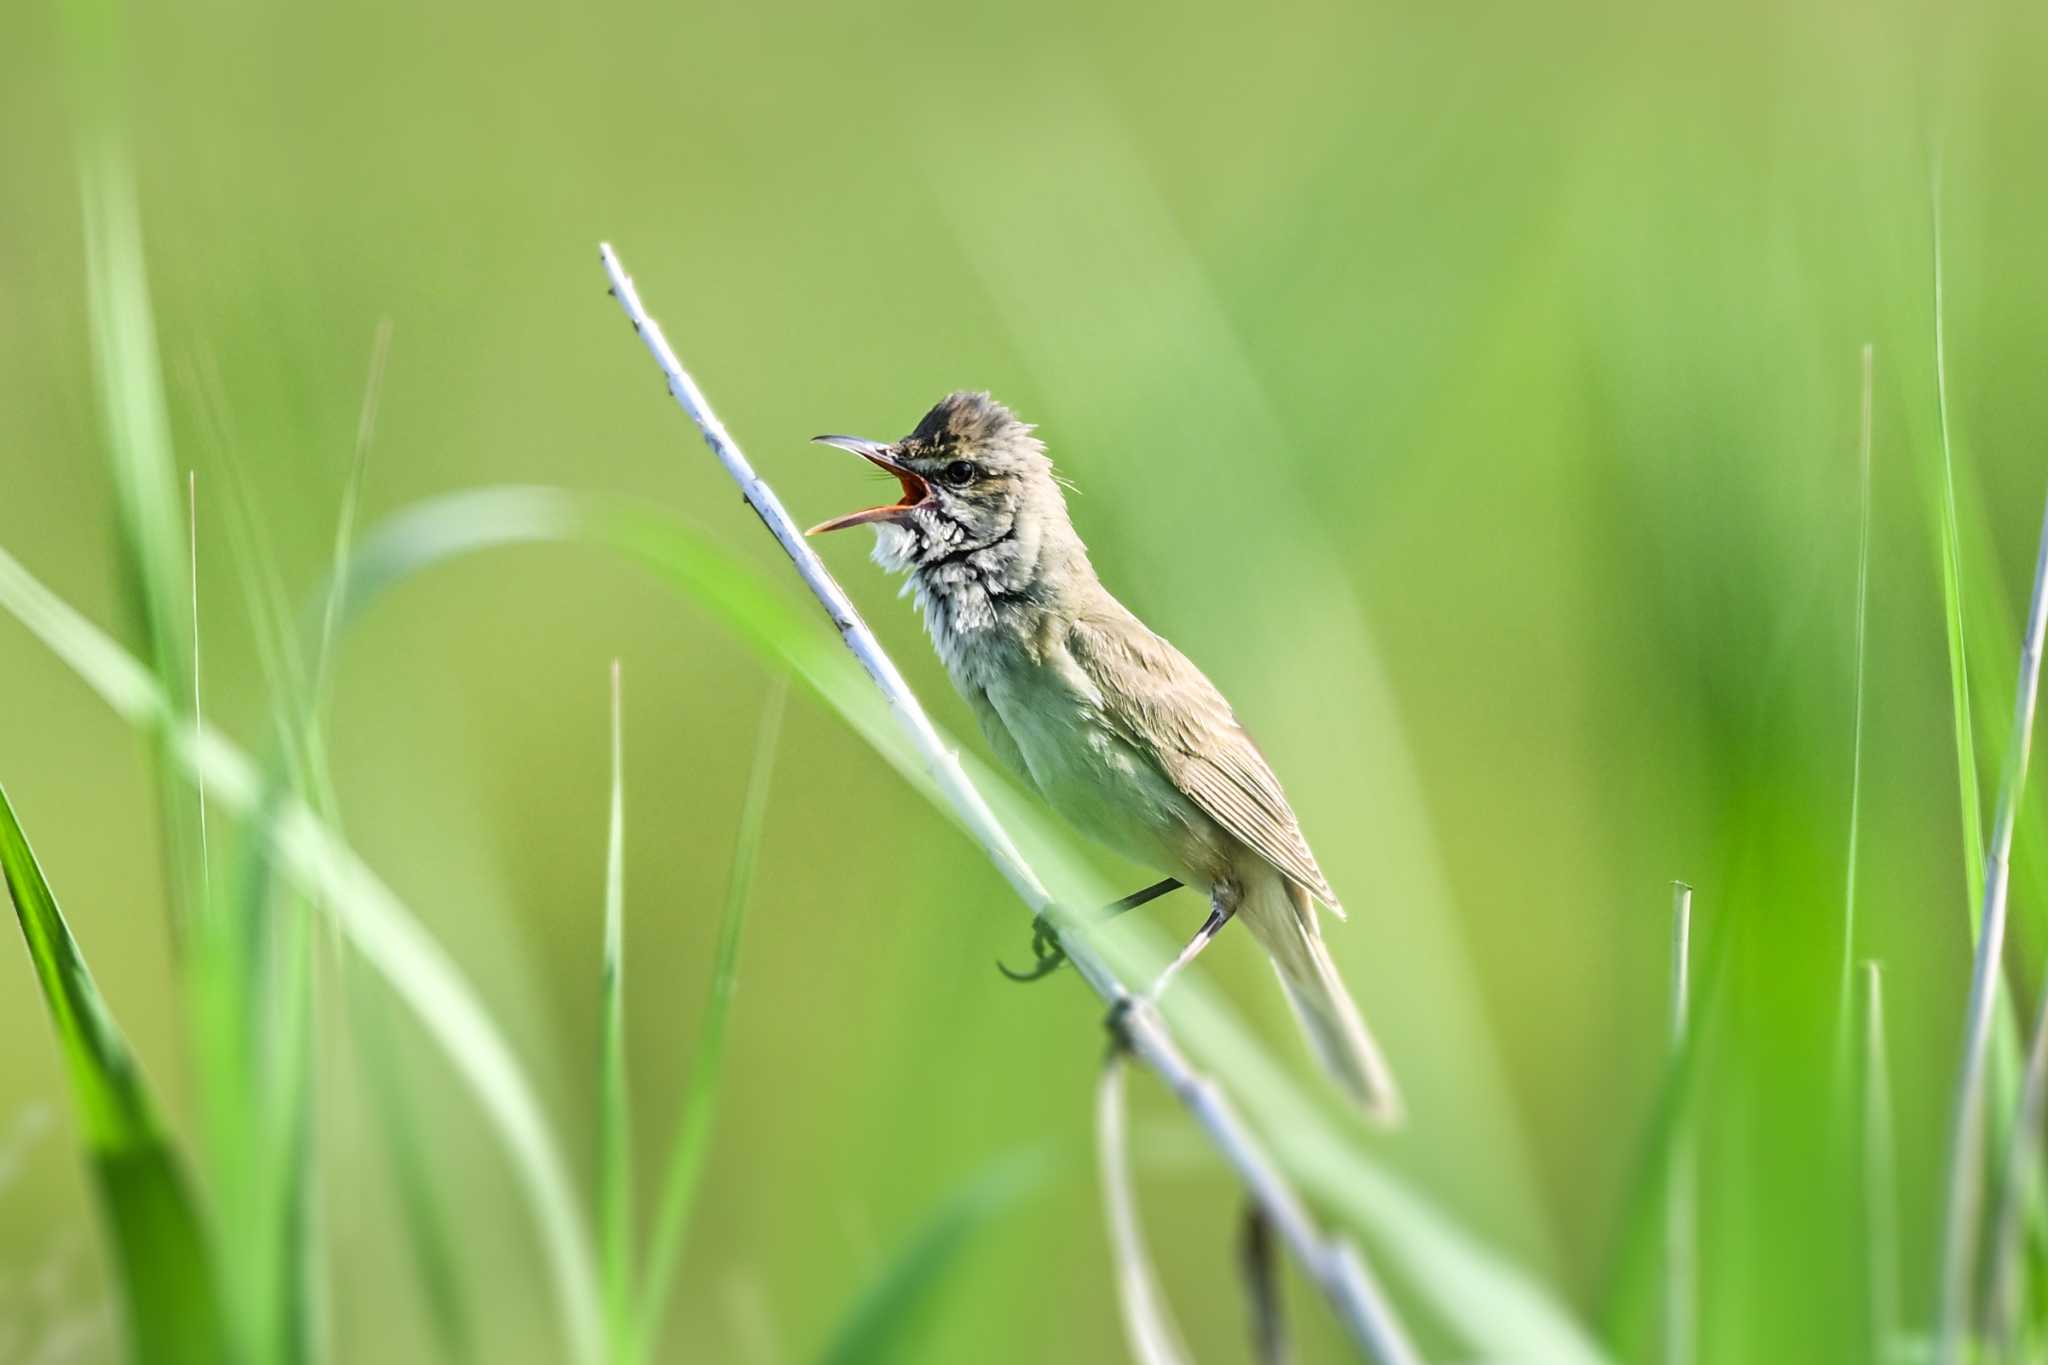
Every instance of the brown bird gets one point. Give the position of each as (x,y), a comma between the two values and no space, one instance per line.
(1118,732)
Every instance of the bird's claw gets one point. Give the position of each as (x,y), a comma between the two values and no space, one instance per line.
(1045,948)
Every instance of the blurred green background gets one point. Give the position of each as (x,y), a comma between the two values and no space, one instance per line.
(1471,390)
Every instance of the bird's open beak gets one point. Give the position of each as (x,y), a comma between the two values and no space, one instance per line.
(915,489)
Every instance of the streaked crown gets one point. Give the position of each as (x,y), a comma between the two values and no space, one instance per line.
(970,423)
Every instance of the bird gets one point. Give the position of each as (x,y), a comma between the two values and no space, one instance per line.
(1114,727)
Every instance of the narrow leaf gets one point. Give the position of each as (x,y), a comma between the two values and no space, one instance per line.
(707,1068)
(890,1314)
(614,1113)
(164,1265)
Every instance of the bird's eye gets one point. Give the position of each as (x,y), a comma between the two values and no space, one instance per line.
(959,474)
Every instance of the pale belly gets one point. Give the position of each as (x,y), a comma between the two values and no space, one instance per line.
(1097,782)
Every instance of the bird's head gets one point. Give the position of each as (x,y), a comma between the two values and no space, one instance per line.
(973,476)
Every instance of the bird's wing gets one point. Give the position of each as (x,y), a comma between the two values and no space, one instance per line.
(1163,706)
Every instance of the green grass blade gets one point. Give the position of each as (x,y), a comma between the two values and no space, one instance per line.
(1880,1179)
(248,990)
(164,1263)
(614,1110)
(376,1041)
(374,920)
(137,430)
(885,1322)
(1952,604)
(1961,1215)
(351,505)
(406,1147)
(1681,1193)
(692,1140)
(1845,1005)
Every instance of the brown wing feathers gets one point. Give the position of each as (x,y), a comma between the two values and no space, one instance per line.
(1163,705)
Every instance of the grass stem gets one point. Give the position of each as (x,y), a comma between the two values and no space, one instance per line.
(614,1111)
(1959,1231)
(1148,1323)
(1845,1006)
(1880,1181)
(1681,1308)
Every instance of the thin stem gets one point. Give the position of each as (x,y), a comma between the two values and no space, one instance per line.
(1880,1183)
(1952,588)
(1966,1137)
(691,1142)
(1148,1325)
(1331,1264)
(1260,1264)
(351,502)
(615,1141)
(192,566)
(2022,1155)
(1681,1311)
(1856,747)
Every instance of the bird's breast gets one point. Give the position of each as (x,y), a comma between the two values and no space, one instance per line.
(1087,771)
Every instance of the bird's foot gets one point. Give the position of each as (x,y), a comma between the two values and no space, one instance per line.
(1045,941)
(1045,949)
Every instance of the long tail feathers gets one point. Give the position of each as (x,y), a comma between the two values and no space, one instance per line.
(1283,921)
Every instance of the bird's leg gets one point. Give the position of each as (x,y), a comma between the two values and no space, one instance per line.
(1045,944)
(1138,898)
(1223,901)
(1219,915)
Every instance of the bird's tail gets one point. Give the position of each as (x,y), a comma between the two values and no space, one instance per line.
(1283,918)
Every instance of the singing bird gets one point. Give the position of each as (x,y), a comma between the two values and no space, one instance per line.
(1112,725)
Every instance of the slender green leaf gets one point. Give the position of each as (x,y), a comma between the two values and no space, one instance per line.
(692,1140)
(163,1260)
(1880,1178)
(406,1148)
(137,431)
(1952,606)
(614,1110)
(1844,1002)
(886,1320)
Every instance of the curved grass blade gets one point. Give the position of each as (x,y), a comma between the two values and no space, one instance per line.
(885,1322)
(692,1138)
(1962,1207)
(375,921)
(1681,1194)
(1952,599)
(377,1043)
(165,1265)
(136,420)
(614,1110)
(1844,1004)
(1880,1178)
